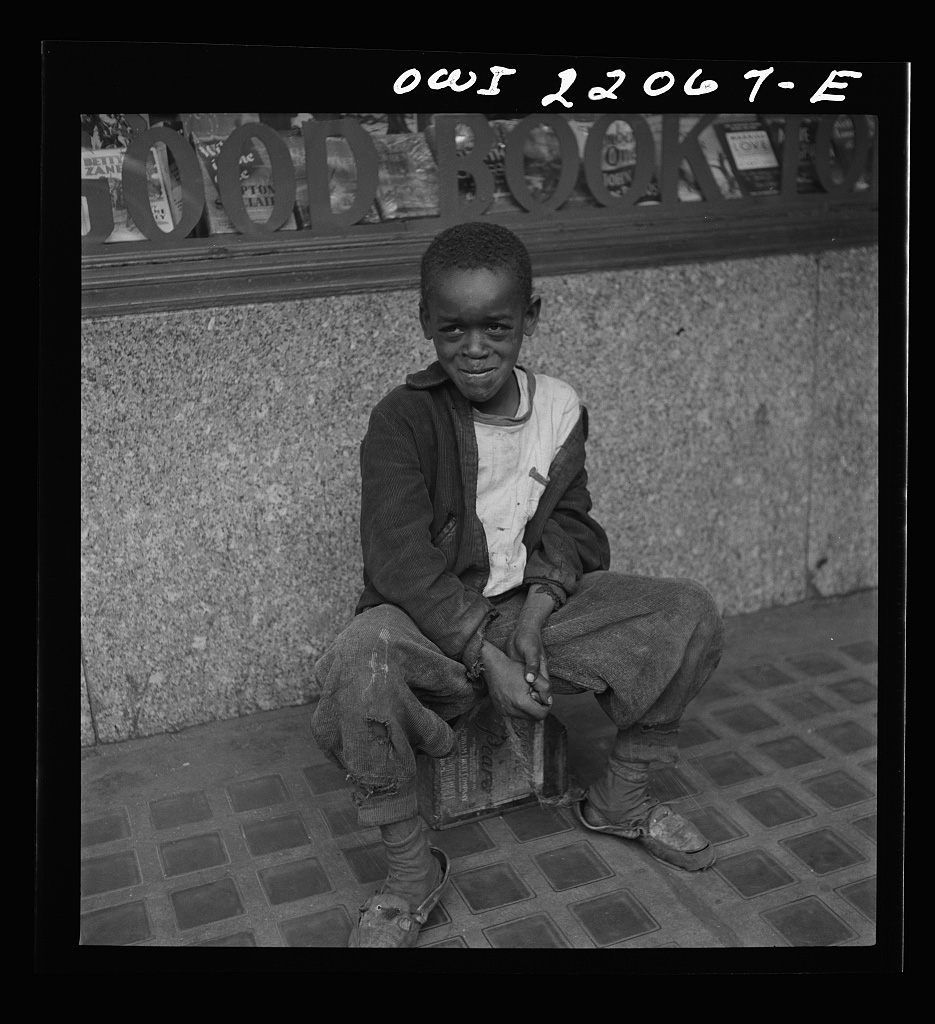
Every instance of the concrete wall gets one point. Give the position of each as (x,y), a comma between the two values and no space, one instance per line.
(733,439)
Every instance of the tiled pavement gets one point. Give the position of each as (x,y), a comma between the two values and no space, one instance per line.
(239,833)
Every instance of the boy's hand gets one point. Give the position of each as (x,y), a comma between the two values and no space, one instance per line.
(509,691)
(525,646)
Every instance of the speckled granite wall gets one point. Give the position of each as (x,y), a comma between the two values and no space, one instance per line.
(842,526)
(87,723)
(733,438)
(698,381)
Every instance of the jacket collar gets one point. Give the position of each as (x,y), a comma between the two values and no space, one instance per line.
(430,377)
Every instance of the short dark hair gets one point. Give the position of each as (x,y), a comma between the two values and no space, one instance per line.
(476,245)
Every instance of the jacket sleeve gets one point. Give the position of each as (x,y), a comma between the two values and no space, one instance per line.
(571,543)
(400,560)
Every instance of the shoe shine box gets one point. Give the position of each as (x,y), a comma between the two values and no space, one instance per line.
(488,770)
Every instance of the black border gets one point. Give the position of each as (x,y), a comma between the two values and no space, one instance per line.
(73,80)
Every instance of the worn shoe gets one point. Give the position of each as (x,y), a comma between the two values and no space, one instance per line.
(664,833)
(387,922)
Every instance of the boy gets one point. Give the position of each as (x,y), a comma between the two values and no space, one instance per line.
(484,574)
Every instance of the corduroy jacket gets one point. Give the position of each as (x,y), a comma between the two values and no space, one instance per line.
(423,544)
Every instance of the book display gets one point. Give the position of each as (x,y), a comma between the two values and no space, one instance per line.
(844,131)
(110,131)
(408,177)
(208,133)
(751,153)
(716,159)
(106,164)
(620,158)
(741,151)
(593,187)
(807,179)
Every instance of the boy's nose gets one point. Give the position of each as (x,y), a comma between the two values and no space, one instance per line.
(475,343)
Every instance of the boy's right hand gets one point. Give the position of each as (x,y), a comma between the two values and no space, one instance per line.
(509,692)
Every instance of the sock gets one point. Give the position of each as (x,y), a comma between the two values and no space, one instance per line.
(413,871)
(621,795)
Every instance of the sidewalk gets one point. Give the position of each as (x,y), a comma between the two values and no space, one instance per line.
(239,833)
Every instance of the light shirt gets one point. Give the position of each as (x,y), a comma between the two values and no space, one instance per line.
(513,458)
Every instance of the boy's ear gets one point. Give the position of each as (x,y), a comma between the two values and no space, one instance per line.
(531,318)
(424,320)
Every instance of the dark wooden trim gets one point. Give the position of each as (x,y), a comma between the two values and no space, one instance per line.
(197,273)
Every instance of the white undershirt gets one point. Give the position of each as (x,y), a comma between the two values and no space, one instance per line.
(513,459)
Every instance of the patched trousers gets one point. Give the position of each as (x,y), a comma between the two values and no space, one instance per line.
(643,646)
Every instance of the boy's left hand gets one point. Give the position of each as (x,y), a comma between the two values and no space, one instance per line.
(525,646)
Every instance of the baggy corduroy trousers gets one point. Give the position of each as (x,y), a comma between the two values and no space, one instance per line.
(643,646)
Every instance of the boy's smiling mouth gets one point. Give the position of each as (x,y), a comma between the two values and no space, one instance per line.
(475,378)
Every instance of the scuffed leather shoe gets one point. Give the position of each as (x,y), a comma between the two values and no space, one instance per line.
(386,921)
(664,833)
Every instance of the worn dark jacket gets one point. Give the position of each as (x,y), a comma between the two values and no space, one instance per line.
(423,544)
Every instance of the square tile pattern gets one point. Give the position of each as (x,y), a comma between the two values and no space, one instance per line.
(116,926)
(753,873)
(772,807)
(868,826)
(862,895)
(790,751)
(671,783)
(296,880)
(801,705)
(367,863)
(614,918)
(823,851)
(183,809)
(324,778)
(713,824)
(538,931)
(275,834)
(778,772)
(194,854)
(745,719)
(204,904)
(327,928)
(105,829)
(728,768)
(491,887)
(572,866)
(105,874)
(238,939)
(254,793)
(808,922)
(838,789)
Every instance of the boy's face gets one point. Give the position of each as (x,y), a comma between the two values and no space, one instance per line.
(477,320)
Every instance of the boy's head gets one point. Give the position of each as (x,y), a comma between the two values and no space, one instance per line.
(477,306)
(477,245)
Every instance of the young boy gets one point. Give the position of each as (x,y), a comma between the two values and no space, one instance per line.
(484,574)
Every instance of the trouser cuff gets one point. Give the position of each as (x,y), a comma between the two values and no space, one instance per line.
(647,743)
(376,809)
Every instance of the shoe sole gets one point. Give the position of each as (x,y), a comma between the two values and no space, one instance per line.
(697,860)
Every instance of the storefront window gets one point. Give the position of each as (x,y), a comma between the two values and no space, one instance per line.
(345,200)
